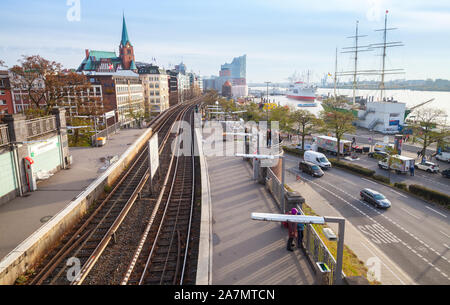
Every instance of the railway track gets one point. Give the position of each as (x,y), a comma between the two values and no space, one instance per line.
(86,242)
(162,256)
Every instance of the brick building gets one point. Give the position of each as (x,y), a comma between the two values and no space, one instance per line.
(6,100)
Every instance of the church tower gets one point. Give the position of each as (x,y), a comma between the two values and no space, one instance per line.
(126,50)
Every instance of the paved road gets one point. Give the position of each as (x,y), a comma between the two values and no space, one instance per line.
(430,180)
(415,235)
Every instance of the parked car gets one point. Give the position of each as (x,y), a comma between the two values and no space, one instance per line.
(378,154)
(443,156)
(375,198)
(317,158)
(446,173)
(310,168)
(428,166)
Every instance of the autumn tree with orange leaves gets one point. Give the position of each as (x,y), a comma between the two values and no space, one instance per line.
(47,84)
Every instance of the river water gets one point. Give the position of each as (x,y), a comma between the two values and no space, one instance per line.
(409,97)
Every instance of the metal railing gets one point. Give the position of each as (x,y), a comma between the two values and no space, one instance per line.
(314,246)
(274,186)
(40,126)
(318,251)
(107,131)
(4,135)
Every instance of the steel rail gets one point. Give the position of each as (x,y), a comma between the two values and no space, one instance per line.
(137,253)
(115,226)
(155,242)
(76,239)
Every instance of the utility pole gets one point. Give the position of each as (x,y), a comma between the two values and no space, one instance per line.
(267,100)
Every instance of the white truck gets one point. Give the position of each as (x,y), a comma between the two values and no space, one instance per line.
(317,159)
(400,164)
(329,144)
(443,156)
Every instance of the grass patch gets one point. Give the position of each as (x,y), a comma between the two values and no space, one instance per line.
(83,140)
(352,265)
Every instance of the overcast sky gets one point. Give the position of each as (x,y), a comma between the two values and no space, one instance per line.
(279,37)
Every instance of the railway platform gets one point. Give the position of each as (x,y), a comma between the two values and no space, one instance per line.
(244,251)
(22,216)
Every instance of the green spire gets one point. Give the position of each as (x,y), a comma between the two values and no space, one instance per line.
(125,38)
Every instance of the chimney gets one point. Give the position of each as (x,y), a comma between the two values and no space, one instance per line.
(87,53)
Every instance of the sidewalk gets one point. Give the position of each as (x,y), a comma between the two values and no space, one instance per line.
(390,273)
(248,252)
(22,216)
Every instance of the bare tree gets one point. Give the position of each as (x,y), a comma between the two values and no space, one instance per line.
(45,82)
(426,127)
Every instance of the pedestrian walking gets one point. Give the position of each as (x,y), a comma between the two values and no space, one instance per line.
(411,170)
(418,153)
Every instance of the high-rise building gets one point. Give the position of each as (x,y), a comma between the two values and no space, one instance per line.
(234,72)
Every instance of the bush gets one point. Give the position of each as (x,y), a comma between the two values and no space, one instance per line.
(352,167)
(401,186)
(294,151)
(107,189)
(382,178)
(430,194)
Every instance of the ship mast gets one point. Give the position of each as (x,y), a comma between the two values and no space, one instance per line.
(385,45)
(356,49)
(335,76)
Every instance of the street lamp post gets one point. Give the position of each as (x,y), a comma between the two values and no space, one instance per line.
(268,100)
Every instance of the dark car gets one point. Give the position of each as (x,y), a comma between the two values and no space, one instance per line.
(375,198)
(378,155)
(310,168)
(446,173)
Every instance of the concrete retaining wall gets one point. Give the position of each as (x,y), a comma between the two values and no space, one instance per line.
(34,247)
(204,265)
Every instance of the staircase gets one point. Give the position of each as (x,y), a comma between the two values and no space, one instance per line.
(364,115)
(374,123)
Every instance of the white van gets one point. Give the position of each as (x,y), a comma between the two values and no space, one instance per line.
(443,156)
(317,158)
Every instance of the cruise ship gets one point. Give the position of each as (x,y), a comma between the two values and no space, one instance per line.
(302,92)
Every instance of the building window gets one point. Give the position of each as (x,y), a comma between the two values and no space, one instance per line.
(2,102)
(2,92)
(129,51)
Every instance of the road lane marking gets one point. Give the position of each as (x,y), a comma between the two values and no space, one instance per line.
(384,264)
(447,246)
(436,211)
(379,213)
(369,181)
(444,234)
(399,193)
(410,213)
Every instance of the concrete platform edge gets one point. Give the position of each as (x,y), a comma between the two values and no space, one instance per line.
(204,265)
(33,248)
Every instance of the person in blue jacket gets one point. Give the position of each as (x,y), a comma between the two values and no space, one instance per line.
(300,228)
